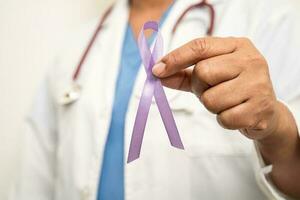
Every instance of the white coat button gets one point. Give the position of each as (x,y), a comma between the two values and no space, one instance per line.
(71,95)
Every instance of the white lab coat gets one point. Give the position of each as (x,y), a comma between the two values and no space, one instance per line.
(64,143)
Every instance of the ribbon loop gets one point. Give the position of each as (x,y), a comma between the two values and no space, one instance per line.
(152,87)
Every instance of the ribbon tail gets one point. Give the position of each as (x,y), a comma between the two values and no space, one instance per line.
(141,119)
(167,116)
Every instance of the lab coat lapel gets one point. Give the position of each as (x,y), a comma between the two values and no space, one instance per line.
(103,62)
(116,26)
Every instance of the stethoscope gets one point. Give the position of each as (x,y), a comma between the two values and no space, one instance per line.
(74,92)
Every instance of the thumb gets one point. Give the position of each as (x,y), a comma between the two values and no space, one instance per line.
(179,81)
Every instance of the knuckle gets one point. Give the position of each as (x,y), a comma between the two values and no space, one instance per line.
(234,40)
(261,60)
(250,56)
(199,46)
(244,41)
(262,125)
(251,123)
(267,106)
(225,121)
(172,59)
(255,59)
(203,71)
(259,87)
(258,59)
(208,101)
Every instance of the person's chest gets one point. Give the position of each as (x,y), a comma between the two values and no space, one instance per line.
(211,153)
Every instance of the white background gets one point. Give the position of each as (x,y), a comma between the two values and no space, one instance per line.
(29,32)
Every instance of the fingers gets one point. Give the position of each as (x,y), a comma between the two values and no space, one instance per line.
(250,117)
(238,117)
(193,52)
(225,96)
(218,69)
(205,74)
(231,79)
(216,99)
(179,81)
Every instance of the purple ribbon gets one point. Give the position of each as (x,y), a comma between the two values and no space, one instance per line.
(152,87)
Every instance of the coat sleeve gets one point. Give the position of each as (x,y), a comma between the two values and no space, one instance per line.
(36,175)
(262,170)
(278,40)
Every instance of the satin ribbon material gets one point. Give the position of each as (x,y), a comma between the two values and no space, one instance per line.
(152,87)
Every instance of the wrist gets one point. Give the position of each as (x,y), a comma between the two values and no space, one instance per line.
(280,141)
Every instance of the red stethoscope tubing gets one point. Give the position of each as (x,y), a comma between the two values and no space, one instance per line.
(202,4)
(90,44)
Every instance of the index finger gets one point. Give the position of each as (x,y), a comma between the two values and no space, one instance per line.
(193,52)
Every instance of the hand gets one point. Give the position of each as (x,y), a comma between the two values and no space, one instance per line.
(231,79)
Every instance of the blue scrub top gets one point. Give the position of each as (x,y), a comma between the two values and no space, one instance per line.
(111,184)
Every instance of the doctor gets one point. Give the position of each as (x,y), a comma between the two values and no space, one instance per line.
(237,117)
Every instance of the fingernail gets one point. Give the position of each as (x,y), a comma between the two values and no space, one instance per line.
(158,69)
